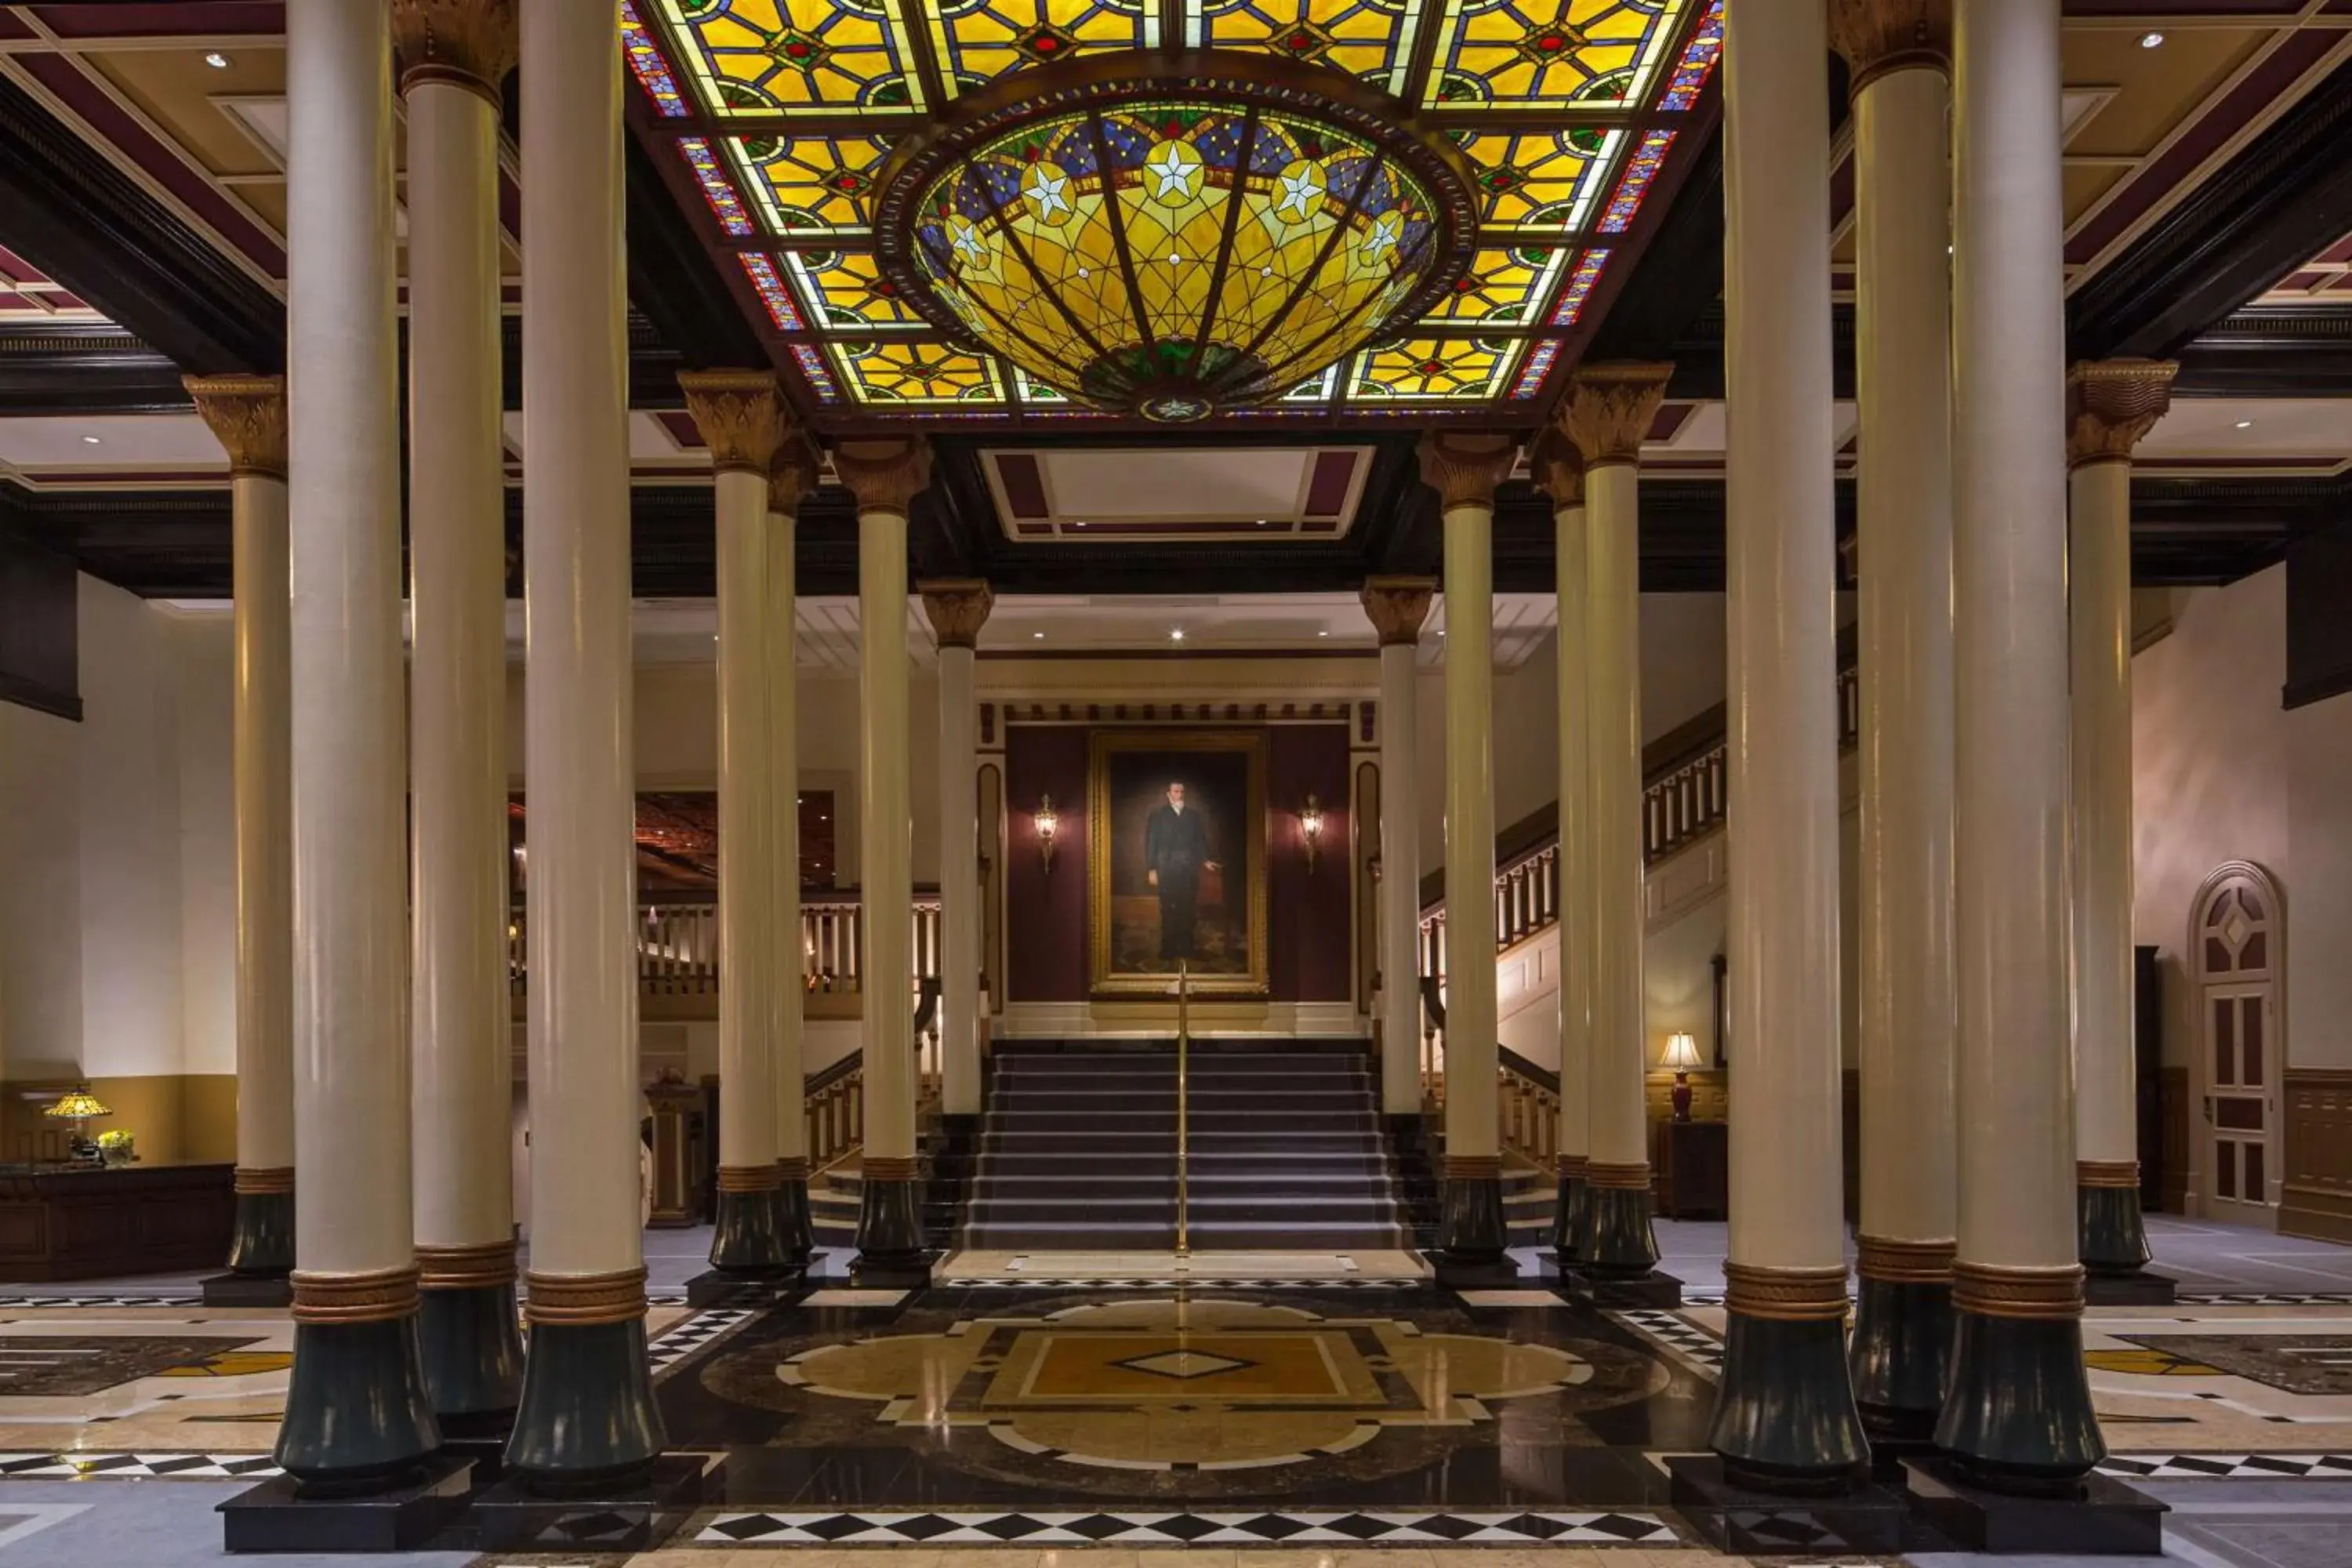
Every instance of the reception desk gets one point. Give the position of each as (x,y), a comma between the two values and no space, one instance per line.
(87,1222)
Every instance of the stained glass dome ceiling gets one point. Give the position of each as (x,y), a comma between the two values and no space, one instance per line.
(786,114)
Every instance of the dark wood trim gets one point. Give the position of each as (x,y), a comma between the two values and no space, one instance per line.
(83,367)
(2316,1195)
(2271,351)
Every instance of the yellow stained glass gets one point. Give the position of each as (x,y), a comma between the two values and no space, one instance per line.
(884,371)
(793,56)
(978,40)
(1505,288)
(811,184)
(1369,39)
(1432,370)
(844,292)
(1549,180)
(1543,54)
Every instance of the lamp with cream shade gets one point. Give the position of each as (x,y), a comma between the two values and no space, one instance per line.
(1682,1055)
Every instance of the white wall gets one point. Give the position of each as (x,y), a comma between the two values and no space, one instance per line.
(204,657)
(2319,886)
(40,894)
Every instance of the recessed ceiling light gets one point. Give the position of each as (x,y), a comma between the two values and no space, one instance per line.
(2149,40)
(2245,424)
(1039,635)
(91,440)
(1322,633)
(1260,522)
(1177,634)
(218,61)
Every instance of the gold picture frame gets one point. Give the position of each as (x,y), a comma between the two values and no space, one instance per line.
(1127,774)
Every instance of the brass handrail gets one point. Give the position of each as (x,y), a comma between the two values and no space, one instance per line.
(1183,1093)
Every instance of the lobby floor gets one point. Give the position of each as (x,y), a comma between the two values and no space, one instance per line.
(1334,1413)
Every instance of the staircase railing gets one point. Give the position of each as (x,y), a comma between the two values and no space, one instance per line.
(835,1099)
(677,944)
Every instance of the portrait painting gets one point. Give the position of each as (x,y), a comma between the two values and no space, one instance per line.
(1177,860)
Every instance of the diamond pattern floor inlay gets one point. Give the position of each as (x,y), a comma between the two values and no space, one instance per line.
(1287,1528)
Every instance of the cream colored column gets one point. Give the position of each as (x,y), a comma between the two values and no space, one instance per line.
(740,414)
(453,55)
(886,476)
(246,415)
(791,477)
(356,1405)
(1609,413)
(2018,1286)
(1560,469)
(956,611)
(587,1405)
(1901,1351)
(1397,607)
(1784,1411)
(1464,469)
(2111,404)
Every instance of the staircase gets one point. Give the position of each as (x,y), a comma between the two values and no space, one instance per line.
(1077,1151)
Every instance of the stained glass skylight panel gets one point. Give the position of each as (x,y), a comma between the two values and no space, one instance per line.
(844,292)
(1369,39)
(1432,370)
(1549,180)
(1503,287)
(1529,55)
(882,371)
(794,57)
(646,64)
(812,184)
(770,287)
(976,41)
(1698,60)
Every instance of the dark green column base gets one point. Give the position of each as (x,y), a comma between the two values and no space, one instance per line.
(2019,1417)
(261,1240)
(1900,1358)
(1618,1242)
(2108,1231)
(357,1419)
(890,1226)
(748,1239)
(588,1420)
(1568,1222)
(472,1355)
(792,1223)
(1473,1230)
(1784,1415)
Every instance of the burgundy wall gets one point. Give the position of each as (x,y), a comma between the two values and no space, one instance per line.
(1308,956)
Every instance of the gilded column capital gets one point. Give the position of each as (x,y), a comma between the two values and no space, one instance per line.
(2111,404)
(467,43)
(1559,468)
(885,475)
(741,415)
(1610,408)
(247,417)
(1463,467)
(1879,36)
(1397,607)
(957,607)
(792,474)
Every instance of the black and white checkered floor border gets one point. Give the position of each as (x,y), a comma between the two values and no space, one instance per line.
(101,1301)
(2227,1466)
(1371,1529)
(683,1338)
(1020,1282)
(138,1466)
(2263,1299)
(1675,1332)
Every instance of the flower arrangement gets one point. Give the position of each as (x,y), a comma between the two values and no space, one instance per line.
(118,1147)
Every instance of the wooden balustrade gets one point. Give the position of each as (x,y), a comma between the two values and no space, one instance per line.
(678,946)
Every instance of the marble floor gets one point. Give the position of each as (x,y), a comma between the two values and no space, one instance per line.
(1335,1411)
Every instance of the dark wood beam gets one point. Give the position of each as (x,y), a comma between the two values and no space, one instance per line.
(2271,351)
(84,367)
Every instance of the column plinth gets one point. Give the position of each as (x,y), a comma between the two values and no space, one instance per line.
(1464,469)
(2111,406)
(247,415)
(1397,607)
(2017,1286)
(587,1417)
(1900,1356)
(1785,1416)
(356,1412)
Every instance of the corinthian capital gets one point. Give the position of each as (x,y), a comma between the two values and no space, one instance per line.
(247,415)
(792,474)
(1881,36)
(1463,467)
(469,43)
(1610,408)
(1397,607)
(1559,468)
(957,609)
(2111,404)
(885,475)
(740,414)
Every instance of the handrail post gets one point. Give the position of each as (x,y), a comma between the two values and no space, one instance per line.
(1183,1171)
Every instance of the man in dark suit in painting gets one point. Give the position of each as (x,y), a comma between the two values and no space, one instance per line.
(1175,853)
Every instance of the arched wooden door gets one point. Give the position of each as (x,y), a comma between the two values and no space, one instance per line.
(2237,942)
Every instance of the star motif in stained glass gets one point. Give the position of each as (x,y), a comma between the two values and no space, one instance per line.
(1044,44)
(969,245)
(1382,239)
(1184,1364)
(1555,42)
(1175,170)
(1048,192)
(798,49)
(1302,187)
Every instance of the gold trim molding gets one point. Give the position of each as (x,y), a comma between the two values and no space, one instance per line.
(792,1168)
(1474,1167)
(957,609)
(1998,1290)
(267,1180)
(480,1265)
(1463,467)
(1610,408)
(380,1296)
(885,475)
(1892,1262)
(247,415)
(740,414)
(584,1298)
(2106,1172)
(749,1178)
(1607,1177)
(1785,1295)
(1569,1167)
(1397,607)
(2112,404)
(465,43)
(890,1167)
(1879,38)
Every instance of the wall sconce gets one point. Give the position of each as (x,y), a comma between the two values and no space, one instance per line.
(1048,821)
(1310,828)
(1682,1055)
